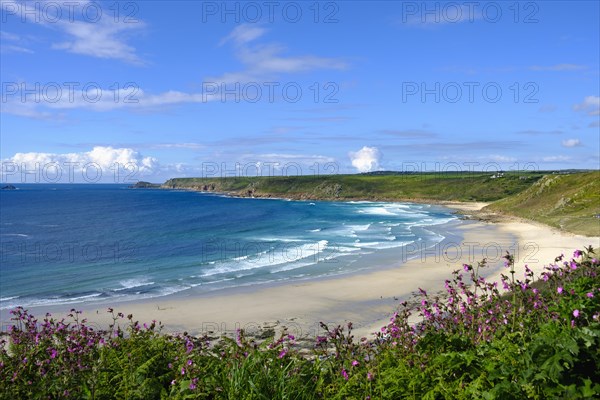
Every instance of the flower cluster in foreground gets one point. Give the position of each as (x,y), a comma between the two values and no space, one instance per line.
(524,337)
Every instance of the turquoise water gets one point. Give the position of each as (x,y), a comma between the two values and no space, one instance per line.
(63,244)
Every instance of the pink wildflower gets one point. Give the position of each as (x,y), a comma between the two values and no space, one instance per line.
(344,374)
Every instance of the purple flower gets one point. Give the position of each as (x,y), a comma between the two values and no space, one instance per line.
(576,313)
(172,382)
(282,353)
(189,362)
(182,371)
(369,376)
(590,295)
(573,265)
(559,289)
(53,353)
(344,374)
(577,253)
(355,363)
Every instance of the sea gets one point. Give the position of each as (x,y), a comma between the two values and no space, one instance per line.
(108,243)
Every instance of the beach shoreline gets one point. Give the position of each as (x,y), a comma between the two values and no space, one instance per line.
(365,298)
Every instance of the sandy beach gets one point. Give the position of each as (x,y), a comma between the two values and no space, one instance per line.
(366,299)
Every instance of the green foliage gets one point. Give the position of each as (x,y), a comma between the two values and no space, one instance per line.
(475,342)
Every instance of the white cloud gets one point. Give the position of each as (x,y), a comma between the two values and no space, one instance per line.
(264,61)
(536,132)
(284,164)
(501,158)
(558,67)
(556,158)
(11,48)
(591,105)
(102,38)
(101,164)
(571,143)
(21,100)
(188,146)
(12,43)
(365,159)
(269,59)
(243,34)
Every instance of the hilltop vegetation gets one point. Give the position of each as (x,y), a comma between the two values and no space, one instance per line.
(568,201)
(416,187)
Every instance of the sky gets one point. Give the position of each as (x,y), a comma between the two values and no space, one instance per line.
(151,90)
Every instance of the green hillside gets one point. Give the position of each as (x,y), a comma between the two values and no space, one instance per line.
(417,187)
(569,202)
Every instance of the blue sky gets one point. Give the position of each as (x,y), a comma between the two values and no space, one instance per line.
(166,89)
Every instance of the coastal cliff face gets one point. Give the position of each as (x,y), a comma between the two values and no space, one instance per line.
(259,187)
(145,185)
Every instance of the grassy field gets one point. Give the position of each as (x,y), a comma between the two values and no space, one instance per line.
(568,201)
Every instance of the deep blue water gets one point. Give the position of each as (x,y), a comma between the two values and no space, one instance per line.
(80,243)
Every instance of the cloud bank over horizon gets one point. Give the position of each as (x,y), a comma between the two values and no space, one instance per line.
(99,165)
